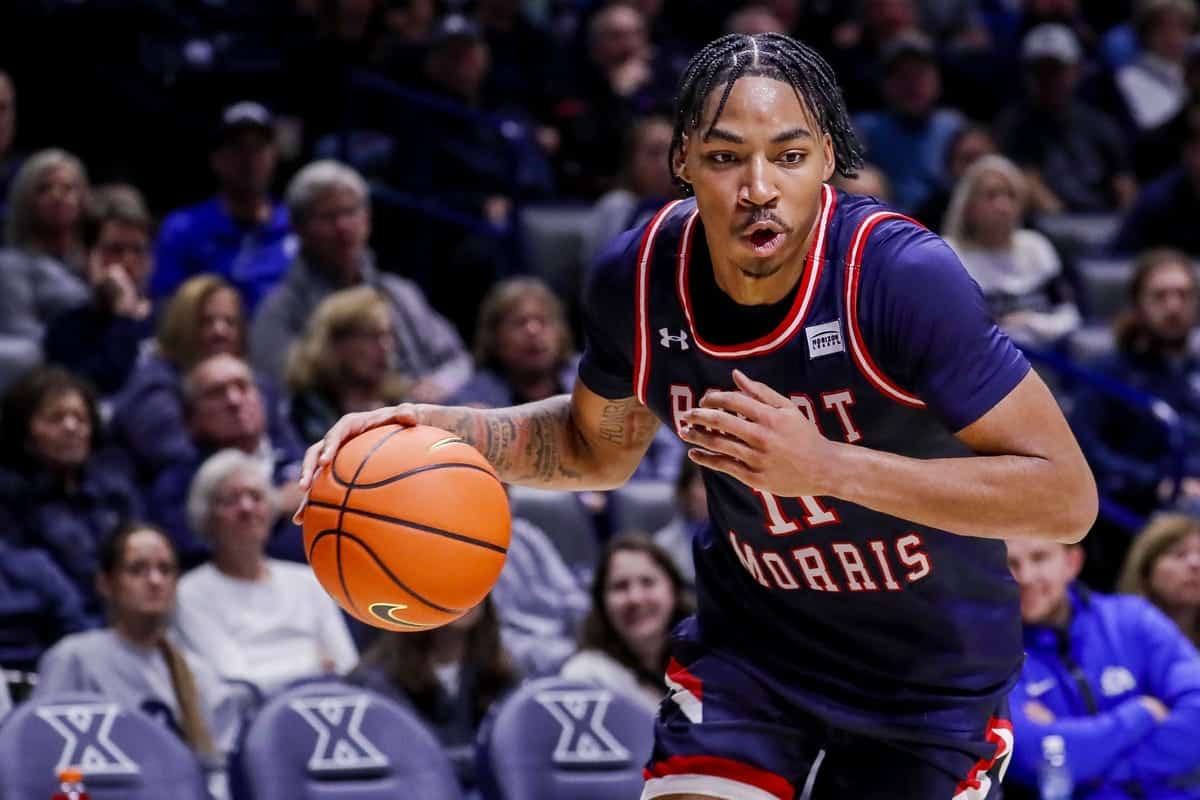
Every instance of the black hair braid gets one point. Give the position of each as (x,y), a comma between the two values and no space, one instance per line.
(772,55)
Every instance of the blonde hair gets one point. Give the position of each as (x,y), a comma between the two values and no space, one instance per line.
(313,363)
(1162,533)
(19,231)
(177,330)
(954,225)
(500,301)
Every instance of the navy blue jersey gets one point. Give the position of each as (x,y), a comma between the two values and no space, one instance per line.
(870,621)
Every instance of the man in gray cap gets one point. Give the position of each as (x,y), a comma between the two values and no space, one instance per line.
(1074,156)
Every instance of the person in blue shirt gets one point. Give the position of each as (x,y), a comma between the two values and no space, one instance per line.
(1111,675)
(241,234)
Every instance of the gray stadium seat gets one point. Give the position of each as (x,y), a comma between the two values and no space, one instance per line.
(1085,233)
(1105,286)
(643,506)
(564,520)
(554,237)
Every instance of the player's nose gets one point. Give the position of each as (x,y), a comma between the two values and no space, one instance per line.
(757,188)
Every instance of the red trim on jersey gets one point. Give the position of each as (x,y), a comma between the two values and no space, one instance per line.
(641,345)
(813,264)
(858,349)
(727,768)
(681,675)
(1002,754)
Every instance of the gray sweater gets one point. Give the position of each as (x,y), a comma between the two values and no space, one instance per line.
(33,290)
(427,345)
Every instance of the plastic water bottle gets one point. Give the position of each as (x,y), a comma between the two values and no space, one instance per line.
(70,785)
(1054,775)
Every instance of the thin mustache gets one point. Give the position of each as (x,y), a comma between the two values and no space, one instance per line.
(763,216)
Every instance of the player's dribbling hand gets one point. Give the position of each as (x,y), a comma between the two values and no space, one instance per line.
(759,437)
(320,454)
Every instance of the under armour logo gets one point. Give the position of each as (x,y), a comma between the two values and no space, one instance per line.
(85,729)
(667,338)
(583,739)
(341,744)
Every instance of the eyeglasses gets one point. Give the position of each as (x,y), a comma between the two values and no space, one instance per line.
(227,499)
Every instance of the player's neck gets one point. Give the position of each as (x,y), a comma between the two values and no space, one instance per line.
(756,290)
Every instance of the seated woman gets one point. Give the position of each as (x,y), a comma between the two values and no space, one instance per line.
(450,676)
(203,318)
(254,618)
(60,489)
(1163,565)
(637,598)
(1018,269)
(38,606)
(134,661)
(344,362)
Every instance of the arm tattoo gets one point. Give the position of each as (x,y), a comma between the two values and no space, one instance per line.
(540,444)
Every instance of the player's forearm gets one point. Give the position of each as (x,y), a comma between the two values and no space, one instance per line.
(535,444)
(995,497)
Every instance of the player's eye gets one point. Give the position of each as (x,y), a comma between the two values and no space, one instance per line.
(793,157)
(722,158)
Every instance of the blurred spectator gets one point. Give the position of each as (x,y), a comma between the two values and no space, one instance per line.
(1111,675)
(408,25)
(859,45)
(967,146)
(1164,567)
(1017,268)
(101,340)
(254,618)
(870,181)
(38,606)
(343,362)
(34,290)
(621,78)
(134,661)
(523,348)
(62,491)
(241,234)
(539,600)
(1165,212)
(1074,156)
(754,18)
(908,140)
(956,24)
(637,598)
(1153,85)
(1129,455)
(10,159)
(451,676)
(1158,150)
(691,512)
(223,409)
(45,208)
(330,210)
(203,318)
(520,51)
(646,184)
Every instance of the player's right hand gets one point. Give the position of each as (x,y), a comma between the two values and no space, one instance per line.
(321,454)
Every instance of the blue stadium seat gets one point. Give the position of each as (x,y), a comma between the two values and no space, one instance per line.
(326,739)
(124,755)
(554,739)
(563,518)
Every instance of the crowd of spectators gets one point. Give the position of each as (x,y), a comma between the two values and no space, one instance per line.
(251,218)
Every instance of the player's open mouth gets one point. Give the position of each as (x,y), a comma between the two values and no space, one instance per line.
(765,241)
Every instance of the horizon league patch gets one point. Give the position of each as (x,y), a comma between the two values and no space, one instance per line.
(824,339)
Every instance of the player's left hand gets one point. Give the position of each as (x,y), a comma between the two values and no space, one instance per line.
(759,437)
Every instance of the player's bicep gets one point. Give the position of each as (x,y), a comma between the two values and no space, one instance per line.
(617,431)
(1026,422)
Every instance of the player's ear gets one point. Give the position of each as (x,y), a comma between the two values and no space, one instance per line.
(830,158)
(679,161)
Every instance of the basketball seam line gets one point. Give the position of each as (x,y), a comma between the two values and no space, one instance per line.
(353,484)
(408,523)
(387,571)
(342,511)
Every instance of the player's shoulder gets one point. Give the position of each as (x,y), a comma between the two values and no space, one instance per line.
(614,270)
(889,245)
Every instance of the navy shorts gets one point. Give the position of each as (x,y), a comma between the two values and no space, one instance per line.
(722,732)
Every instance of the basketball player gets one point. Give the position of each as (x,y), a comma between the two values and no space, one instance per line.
(868,436)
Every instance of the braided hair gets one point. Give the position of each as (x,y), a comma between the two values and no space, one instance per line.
(768,55)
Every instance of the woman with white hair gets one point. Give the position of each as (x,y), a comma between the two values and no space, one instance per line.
(1018,269)
(330,211)
(255,618)
(41,267)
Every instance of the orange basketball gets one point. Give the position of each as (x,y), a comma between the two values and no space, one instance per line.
(408,528)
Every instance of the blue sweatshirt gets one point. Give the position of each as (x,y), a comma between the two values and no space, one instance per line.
(1090,676)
